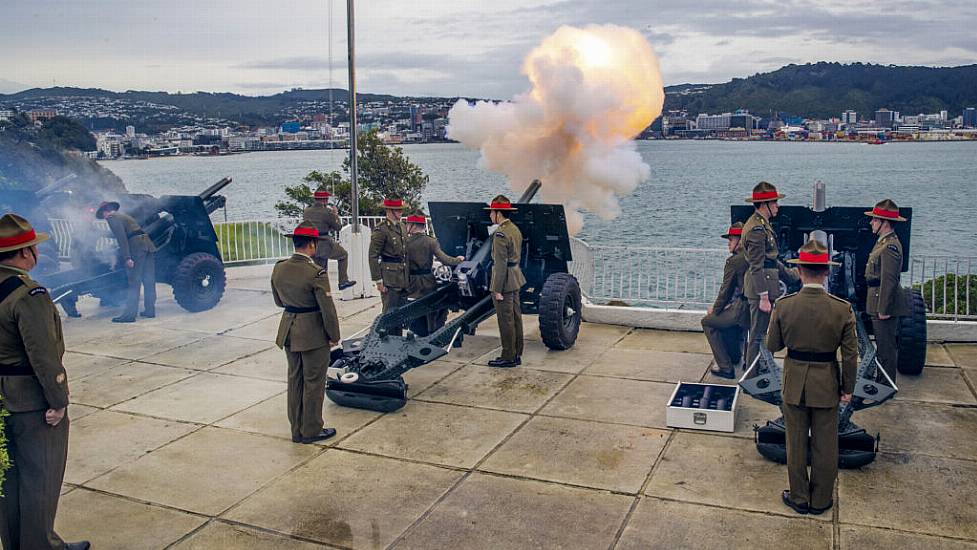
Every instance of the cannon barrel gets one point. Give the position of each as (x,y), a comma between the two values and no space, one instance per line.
(214,189)
(530,192)
(56,186)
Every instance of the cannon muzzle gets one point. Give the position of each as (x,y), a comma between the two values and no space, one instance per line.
(214,189)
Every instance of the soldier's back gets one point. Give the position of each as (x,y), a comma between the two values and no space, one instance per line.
(812,320)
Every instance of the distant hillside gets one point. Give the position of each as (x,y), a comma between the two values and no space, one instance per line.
(822,90)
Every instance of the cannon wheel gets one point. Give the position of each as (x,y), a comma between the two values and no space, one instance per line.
(199,280)
(559,311)
(912,336)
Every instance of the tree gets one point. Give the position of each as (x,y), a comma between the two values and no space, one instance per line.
(382,171)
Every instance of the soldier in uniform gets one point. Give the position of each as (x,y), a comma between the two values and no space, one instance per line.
(34,390)
(308,330)
(388,256)
(139,254)
(761,284)
(324,217)
(421,251)
(886,300)
(812,325)
(730,310)
(506,281)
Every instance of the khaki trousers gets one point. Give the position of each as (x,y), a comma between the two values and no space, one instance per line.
(509,313)
(142,274)
(716,325)
(38,453)
(887,343)
(332,250)
(306,390)
(816,489)
(758,332)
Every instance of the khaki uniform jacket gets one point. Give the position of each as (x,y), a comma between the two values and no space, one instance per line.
(300,282)
(30,334)
(506,254)
(759,244)
(812,320)
(324,219)
(731,291)
(389,241)
(884,267)
(131,245)
(421,251)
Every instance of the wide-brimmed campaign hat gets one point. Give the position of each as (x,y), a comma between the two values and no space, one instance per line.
(886,210)
(305,229)
(735,230)
(500,202)
(813,253)
(321,193)
(16,233)
(417,217)
(393,204)
(106,205)
(765,192)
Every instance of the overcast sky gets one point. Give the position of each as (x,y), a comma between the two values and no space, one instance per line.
(447,47)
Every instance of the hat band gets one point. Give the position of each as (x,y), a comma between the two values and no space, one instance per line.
(321,195)
(392,204)
(765,195)
(501,205)
(815,258)
(735,231)
(306,232)
(416,219)
(883,213)
(18,239)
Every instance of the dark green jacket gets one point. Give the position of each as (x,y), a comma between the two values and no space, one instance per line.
(133,243)
(298,282)
(421,251)
(506,254)
(885,294)
(388,255)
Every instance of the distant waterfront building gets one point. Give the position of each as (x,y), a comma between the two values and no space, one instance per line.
(291,127)
(706,121)
(885,118)
(849,118)
(41,114)
(743,119)
(130,131)
(970,117)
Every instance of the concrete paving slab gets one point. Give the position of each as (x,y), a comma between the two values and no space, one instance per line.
(78,411)
(124,382)
(659,366)
(113,523)
(963,355)
(937,356)
(204,398)
(936,386)
(855,537)
(207,471)
(80,365)
(474,347)
(347,499)
(601,335)
(516,389)
(590,454)
(221,536)
(725,471)
(537,356)
(436,433)
(422,378)
(912,493)
(269,364)
(139,344)
(105,440)
(664,340)
(932,429)
(265,329)
(530,326)
(236,308)
(634,402)
(209,353)
(490,512)
(666,524)
(270,417)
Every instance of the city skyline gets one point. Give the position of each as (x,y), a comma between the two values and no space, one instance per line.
(445,48)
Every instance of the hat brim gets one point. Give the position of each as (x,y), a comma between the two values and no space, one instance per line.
(798,261)
(38,239)
(874,215)
(510,209)
(100,213)
(727,236)
(779,197)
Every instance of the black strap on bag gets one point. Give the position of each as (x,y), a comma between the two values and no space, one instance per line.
(6,289)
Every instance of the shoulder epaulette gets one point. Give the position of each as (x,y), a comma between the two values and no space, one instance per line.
(842,300)
(894,248)
(322,272)
(499,233)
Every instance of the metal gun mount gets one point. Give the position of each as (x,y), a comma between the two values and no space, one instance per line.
(367,372)
(845,230)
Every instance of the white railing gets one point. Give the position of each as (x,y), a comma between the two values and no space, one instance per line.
(948,285)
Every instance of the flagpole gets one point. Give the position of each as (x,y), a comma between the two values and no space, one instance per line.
(352,115)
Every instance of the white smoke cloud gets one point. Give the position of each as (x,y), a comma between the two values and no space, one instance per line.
(593,90)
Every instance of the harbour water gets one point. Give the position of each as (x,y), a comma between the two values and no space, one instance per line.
(685,204)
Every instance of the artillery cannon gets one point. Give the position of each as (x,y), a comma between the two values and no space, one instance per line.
(367,372)
(187,256)
(848,236)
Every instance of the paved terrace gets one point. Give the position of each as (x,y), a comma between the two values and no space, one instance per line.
(179,440)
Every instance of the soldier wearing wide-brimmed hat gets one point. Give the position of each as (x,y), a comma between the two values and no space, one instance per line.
(388,256)
(422,249)
(812,324)
(885,300)
(761,285)
(34,391)
(326,219)
(506,281)
(138,253)
(729,316)
(309,328)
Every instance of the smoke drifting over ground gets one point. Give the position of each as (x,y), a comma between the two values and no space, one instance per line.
(594,89)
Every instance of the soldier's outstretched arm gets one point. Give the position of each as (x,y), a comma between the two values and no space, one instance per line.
(775,338)
(849,354)
(323,297)
(377,239)
(35,313)
(441,256)
(889,278)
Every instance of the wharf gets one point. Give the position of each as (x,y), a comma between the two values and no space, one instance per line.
(179,439)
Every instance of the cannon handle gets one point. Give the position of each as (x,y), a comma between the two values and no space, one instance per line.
(214,189)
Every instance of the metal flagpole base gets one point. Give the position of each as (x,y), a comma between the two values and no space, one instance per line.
(358,246)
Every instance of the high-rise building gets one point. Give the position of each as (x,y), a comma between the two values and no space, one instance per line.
(970,117)
(849,118)
(885,118)
(706,121)
(130,131)
(743,119)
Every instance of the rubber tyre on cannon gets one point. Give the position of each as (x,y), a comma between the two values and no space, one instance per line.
(912,336)
(199,281)
(560,308)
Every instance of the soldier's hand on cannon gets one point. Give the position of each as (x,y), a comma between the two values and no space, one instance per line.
(709,310)
(845,398)
(130,264)
(54,416)
(765,305)
(499,297)
(460,258)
